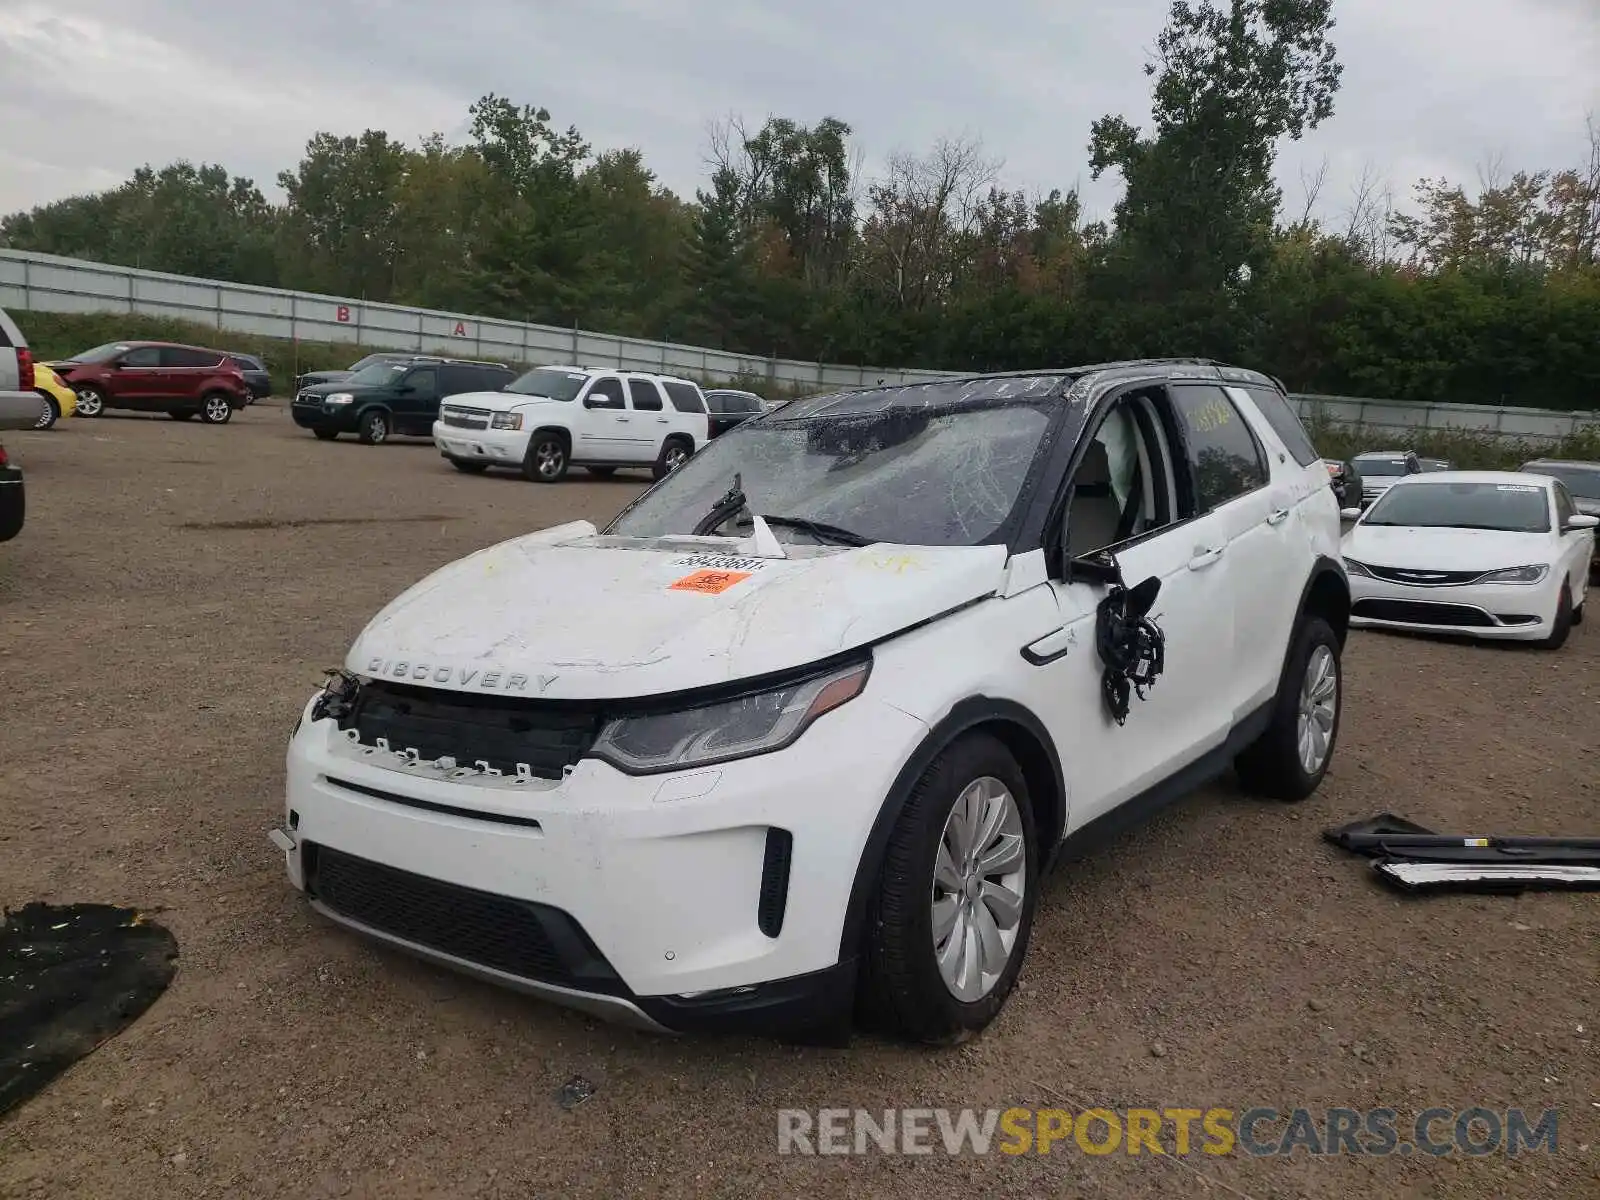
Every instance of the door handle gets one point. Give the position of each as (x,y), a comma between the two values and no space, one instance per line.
(1051,647)
(1277,516)
(1203,558)
(622,420)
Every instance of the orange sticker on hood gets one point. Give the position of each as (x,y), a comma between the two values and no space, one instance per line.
(709,582)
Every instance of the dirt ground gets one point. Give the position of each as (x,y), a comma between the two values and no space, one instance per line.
(169,607)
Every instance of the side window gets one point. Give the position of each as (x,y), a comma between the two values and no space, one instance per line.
(642,393)
(1223,454)
(424,381)
(716,402)
(1279,411)
(455,380)
(606,393)
(1565,508)
(1122,486)
(143,356)
(751,404)
(494,379)
(685,397)
(182,356)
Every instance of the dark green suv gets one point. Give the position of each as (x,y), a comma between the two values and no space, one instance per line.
(392,397)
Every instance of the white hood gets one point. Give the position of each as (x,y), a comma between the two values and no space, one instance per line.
(500,401)
(1444,549)
(568,614)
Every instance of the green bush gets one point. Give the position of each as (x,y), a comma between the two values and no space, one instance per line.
(1464,449)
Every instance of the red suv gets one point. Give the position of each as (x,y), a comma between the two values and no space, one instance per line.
(181,381)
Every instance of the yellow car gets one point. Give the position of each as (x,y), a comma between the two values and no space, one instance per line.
(59,400)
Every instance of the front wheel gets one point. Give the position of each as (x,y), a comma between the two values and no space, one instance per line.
(374,427)
(216,409)
(50,415)
(546,461)
(1289,759)
(955,898)
(1563,623)
(91,401)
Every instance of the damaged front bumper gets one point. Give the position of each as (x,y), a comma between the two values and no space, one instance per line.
(646,900)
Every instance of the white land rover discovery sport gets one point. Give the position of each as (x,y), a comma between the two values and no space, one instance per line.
(552,417)
(797,736)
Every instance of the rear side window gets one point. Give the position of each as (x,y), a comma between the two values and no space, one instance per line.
(685,397)
(643,395)
(1285,422)
(183,356)
(606,393)
(424,382)
(1223,453)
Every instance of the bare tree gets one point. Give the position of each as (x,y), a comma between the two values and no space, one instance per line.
(1311,185)
(1367,223)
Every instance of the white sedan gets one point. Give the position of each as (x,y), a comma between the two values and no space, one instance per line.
(1492,554)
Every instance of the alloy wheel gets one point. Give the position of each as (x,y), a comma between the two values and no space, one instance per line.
(979,884)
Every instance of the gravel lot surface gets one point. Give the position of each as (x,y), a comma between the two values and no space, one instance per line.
(169,607)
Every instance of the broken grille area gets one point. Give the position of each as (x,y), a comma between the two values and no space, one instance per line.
(547,739)
(519,937)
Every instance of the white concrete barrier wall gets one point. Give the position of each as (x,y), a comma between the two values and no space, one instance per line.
(46,283)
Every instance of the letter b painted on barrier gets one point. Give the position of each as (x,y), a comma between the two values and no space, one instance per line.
(342,314)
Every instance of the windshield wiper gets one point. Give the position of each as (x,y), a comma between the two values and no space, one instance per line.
(820,530)
(724,510)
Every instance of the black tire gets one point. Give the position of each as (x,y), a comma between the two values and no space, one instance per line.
(91,401)
(468,466)
(1577,614)
(373,429)
(601,472)
(326,435)
(50,415)
(675,451)
(1271,766)
(548,457)
(216,408)
(903,993)
(1563,623)
(182,414)
(14,513)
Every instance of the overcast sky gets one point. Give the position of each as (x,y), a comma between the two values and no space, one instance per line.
(91,89)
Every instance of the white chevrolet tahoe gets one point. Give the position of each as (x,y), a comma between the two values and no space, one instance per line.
(554,417)
(797,736)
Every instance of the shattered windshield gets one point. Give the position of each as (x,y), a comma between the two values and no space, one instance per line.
(913,474)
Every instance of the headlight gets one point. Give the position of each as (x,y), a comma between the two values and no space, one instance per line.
(1532,574)
(339,398)
(749,725)
(1352,567)
(505,420)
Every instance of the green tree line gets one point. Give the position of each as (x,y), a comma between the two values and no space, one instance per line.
(1485,297)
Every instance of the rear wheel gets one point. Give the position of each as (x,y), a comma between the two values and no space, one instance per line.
(216,409)
(674,453)
(1287,762)
(50,415)
(1563,623)
(954,904)
(91,401)
(468,467)
(546,460)
(374,427)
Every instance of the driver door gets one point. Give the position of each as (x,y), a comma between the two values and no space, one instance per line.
(1132,494)
(601,423)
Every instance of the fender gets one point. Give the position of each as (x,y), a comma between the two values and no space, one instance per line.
(966,714)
